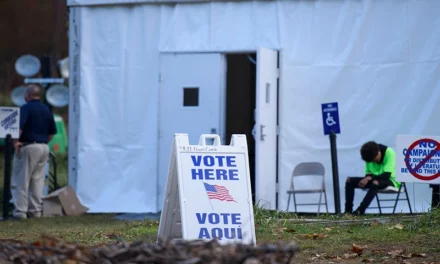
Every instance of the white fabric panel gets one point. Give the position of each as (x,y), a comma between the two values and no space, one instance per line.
(118,127)
(378,59)
(229,26)
(424,30)
(117,145)
(367,61)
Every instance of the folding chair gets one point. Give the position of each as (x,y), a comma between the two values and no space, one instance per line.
(392,190)
(308,169)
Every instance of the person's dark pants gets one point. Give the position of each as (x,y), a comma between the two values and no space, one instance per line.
(352,183)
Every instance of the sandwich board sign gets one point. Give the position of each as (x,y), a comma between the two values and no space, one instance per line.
(9,121)
(208,192)
(418,159)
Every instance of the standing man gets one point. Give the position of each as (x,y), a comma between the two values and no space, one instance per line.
(37,127)
(380,173)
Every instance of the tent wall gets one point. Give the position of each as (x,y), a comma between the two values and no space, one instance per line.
(379,59)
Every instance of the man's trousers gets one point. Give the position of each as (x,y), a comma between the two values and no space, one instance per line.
(352,183)
(27,180)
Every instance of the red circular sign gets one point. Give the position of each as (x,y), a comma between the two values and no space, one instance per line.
(413,171)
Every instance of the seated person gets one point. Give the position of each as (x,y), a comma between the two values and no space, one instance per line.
(380,173)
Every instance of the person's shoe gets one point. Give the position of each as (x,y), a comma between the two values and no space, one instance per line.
(19,216)
(343,214)
(34,215)
(357,212)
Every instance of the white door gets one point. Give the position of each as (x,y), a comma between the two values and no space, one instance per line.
(266,128)
(192,87)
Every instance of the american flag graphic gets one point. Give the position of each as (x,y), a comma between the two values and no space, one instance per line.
(218,192)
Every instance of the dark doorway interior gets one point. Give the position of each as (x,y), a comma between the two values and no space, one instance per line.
(240,103)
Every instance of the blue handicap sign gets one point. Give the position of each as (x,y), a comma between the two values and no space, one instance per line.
(330,118)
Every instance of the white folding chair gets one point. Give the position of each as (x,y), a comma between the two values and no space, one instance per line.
(307,169)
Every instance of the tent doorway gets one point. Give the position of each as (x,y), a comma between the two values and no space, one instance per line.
(240,102)
(224,94)
(251,103)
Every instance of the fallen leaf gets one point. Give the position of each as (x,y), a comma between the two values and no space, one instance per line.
(375,223)
(395,253)
(322,236)
(315,236)
(330,257)
(377,251)
(418,255)
(308,235)
(69,261)
(358,249)
(365,260)
(290,230)
(37,244)
(398,226)
(350,256)
(327,229)
(280,229)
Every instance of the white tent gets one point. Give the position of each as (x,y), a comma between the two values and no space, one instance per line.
(142,70)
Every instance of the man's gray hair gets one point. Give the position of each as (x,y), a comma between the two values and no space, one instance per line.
(33,90)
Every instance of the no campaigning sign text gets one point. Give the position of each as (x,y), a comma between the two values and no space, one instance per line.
(422,159)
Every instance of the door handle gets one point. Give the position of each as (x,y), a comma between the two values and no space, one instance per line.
(261,132)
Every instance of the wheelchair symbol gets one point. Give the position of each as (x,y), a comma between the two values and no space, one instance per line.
(329,120)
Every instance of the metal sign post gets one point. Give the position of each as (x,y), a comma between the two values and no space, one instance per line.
(7,176)
(330,119)
(9,129)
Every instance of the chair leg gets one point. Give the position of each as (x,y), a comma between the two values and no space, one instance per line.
(407,199)
(378,204)
(319,206)
(294,202)
(397,199)
(288,203)
(325,197)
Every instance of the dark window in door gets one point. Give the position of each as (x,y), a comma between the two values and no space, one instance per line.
(190,96)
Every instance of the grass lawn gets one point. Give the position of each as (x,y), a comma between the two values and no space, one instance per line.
(397,240)
(414,240)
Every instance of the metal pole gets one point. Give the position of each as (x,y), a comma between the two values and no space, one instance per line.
(334,155)
(7,176)
(46,72)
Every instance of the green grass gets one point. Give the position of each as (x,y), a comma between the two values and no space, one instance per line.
(320,243)
(86,230)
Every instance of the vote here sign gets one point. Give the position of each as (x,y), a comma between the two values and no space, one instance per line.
(214,192)
(418,159)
